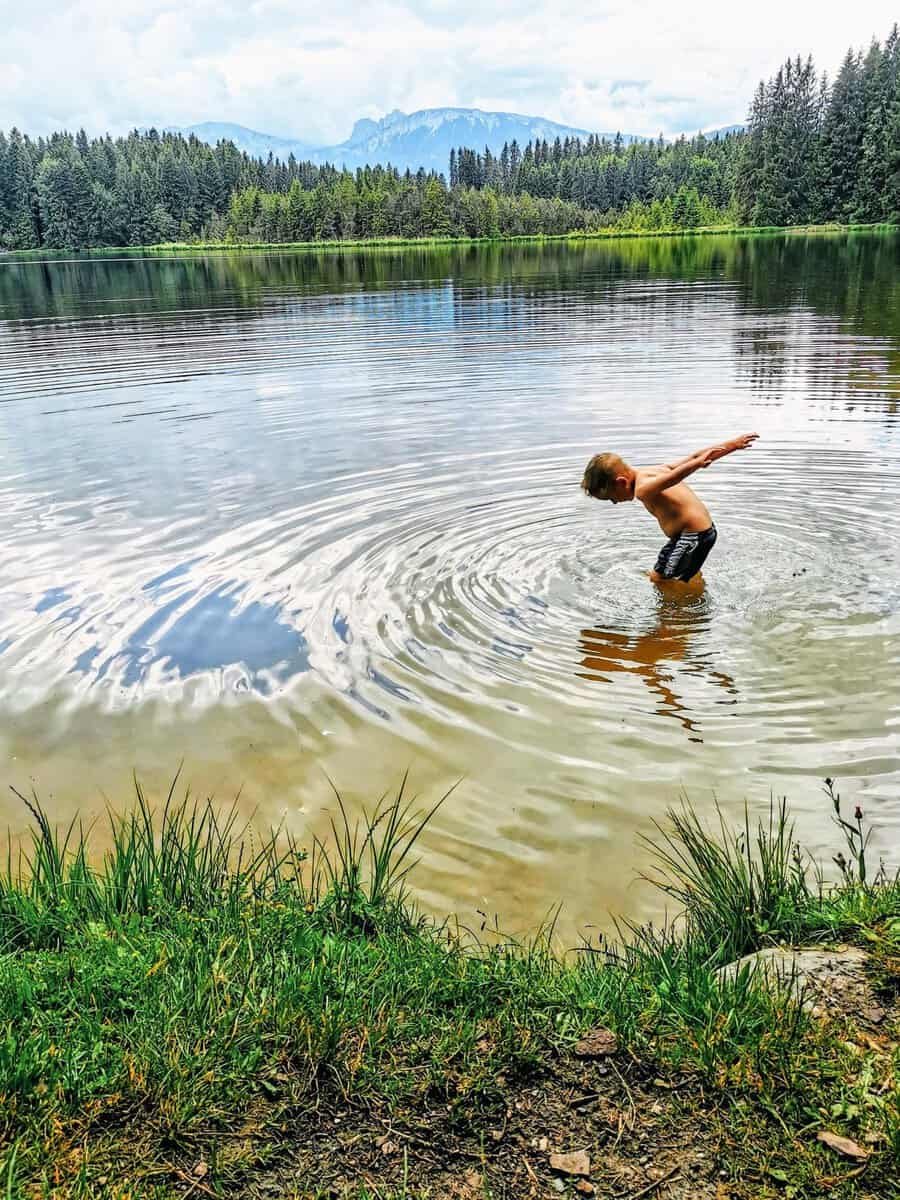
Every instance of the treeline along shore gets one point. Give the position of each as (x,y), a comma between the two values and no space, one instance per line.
(814,151)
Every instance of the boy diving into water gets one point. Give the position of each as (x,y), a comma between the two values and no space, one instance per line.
(682,515)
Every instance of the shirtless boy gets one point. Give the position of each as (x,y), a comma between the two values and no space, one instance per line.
(682,515)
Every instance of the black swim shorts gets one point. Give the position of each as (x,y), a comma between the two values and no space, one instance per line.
(683,556)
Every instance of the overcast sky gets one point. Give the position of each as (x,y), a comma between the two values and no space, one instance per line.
(308,70)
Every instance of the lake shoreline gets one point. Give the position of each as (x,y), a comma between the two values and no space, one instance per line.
(202,1014)
(390,243)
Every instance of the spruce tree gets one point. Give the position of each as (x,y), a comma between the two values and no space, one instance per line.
(840,146)
(21,230)
(881,89)
(891,205)
(435,210)
(63,197)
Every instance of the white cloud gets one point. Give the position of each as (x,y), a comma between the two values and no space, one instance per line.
(295,68)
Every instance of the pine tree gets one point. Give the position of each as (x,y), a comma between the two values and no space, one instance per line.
(435,210)
(881,89)
(4,188)
(343,201)
(686,208)
(64,196)
(164,226)
(170,183)
(866,192)
(211,189)
(504,168)
(490,173)
(514,158)
(21,232)
(840,146)
(891,205)
(778,176)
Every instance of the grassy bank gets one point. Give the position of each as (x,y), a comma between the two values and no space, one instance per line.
(575,236)
(200,1012)
(391,243)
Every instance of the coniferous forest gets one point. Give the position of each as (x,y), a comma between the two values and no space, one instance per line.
(814,150)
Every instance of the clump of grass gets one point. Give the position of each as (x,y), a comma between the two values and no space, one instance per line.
(186,856)
(362,870)
(736,888)
(743,889)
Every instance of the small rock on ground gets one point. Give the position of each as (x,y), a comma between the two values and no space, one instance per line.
(598,1043)
(828,978)
(576,1163)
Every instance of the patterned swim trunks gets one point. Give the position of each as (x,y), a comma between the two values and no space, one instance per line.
(683,555)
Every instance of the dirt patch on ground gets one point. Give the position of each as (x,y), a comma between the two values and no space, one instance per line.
(593,1122)
(623,1132)
(596,1123)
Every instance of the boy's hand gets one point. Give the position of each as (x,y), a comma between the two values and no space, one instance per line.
(738,443)
(742,442)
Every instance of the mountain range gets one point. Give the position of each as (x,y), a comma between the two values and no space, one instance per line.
(419,139)
(413,140)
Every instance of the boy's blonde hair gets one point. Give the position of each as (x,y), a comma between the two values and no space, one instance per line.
(600,474)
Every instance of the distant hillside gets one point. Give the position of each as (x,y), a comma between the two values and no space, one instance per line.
(420,139)
(257,145)
(723,130)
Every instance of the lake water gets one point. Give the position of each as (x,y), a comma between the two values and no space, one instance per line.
(289,517)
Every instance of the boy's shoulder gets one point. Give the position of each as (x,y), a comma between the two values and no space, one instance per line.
(644,477)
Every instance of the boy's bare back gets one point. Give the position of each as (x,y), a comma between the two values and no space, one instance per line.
(681,514)
(678,508)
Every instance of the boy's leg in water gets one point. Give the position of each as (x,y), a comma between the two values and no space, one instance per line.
(696,584)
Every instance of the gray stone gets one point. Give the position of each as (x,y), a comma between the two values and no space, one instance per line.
(834,978)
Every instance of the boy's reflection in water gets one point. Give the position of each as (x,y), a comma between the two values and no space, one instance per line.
(652,655)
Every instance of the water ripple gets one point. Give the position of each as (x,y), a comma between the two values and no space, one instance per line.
(357,511)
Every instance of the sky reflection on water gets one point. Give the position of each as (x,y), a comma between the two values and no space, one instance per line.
(290,517)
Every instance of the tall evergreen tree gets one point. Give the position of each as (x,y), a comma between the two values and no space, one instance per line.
(892,165)
(840,147)
(21,226)
(881,89)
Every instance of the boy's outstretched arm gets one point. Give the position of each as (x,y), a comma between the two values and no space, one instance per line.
(694,462)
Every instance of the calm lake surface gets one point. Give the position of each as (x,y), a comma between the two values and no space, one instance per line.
(288,517)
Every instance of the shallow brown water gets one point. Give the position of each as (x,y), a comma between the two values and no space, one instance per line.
(294,516)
